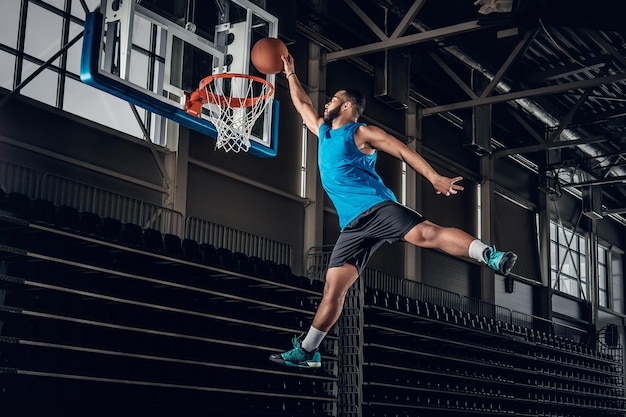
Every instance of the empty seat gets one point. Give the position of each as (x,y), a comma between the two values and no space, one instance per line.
(172,245)
(89,223)
(131,234)
(299,281)
(18,204)
(284,274)
(152,240)
(111,229)
(191,250)
(241,263)
(271,269)
(317,285)
(67,217)
(257,267)
(43,211)
(225,258)
(209,254)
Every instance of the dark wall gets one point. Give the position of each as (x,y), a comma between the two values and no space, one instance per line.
(227,201)
(65,142)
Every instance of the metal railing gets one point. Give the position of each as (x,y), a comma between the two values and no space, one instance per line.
(87,198)
(204,231)
(19,179)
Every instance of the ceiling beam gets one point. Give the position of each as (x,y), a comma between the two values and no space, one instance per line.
(552,89)
(604,181)
(617,55)
(515,54)
(564,71)
(579,162)
(453,75)
(551,145)
(526,125)
(369,22)
(563,123)
(407,40)
(408,18)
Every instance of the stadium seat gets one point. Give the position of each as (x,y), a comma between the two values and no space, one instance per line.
(191,250)
(225,258)
(43,211)
(152,240)
(67,217)
(241,263)
(89,223)
(131,234)
(111,229)
(209,254)
(18,204)
(172,245)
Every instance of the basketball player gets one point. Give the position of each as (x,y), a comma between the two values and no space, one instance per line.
(369,214)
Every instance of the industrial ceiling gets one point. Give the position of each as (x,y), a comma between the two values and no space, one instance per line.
(551,72)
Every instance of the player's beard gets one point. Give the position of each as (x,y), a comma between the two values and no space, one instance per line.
(332,115)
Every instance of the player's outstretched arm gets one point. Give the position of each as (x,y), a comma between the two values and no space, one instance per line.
(301,100)
(377,138)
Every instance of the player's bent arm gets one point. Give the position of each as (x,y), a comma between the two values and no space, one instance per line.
(377,138)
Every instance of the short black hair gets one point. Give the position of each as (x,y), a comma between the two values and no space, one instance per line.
(357,100)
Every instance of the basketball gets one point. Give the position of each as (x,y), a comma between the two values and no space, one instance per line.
(266,55)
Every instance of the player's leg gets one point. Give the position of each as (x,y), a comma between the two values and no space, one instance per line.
(350,255)
(459,243)
(338,282)
(305,350)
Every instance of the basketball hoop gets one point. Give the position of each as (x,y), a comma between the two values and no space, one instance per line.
(233,103)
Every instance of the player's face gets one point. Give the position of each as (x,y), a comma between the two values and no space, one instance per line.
(332,109)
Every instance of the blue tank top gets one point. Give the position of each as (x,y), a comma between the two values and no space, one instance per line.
(348,175)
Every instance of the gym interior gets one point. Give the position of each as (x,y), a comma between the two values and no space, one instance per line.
(143,271)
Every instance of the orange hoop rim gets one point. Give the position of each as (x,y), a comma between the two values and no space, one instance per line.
(223,100)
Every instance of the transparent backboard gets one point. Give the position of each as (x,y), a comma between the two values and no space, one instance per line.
(154,52)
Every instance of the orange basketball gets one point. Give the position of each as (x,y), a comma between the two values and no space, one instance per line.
(266,55)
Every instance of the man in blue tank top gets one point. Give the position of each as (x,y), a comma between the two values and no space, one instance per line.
(369,214)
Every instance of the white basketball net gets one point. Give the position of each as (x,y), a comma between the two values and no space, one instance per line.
(234,103)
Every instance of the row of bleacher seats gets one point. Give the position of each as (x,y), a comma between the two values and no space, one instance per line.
(149,239)
(475,321)
(450,362)
(427,387)
(208,348)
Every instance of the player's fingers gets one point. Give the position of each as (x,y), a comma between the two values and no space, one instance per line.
(286,59)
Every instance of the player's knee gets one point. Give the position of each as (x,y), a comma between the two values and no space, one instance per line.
(335,291)
(424,234)
(431,232)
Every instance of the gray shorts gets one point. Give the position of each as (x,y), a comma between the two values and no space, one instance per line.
(385,222)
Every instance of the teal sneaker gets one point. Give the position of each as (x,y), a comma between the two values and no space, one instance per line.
(298,357)
(501,262)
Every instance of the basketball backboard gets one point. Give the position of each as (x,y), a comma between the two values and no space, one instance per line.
(154,52)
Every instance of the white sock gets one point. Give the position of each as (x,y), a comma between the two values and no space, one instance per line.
(313,339)
(476,249)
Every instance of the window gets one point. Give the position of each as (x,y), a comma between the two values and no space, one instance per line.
(603,277)
(568,258)
(48,26)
